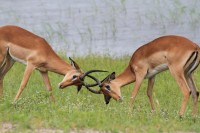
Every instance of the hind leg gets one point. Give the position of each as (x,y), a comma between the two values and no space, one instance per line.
(1,88)
(179,76)
(4,69)
(190,80)
(194,92)
(5,65)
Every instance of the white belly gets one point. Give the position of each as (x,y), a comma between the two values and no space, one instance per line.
(17,59)
(156,70)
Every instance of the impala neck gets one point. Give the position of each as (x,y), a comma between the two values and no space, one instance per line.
(126,77)
(57,65)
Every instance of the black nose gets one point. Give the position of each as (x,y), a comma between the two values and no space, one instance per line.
(61,86)
(120,99)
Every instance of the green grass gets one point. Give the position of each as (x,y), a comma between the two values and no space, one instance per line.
(88,111)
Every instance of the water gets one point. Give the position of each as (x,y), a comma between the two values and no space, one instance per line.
(115,27)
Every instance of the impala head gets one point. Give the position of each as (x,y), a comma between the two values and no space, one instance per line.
(108,87)
(75,76)
(72,77)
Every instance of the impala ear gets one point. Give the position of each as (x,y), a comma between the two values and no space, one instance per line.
(74,64)
(109,77)
(107,99)
(112,76)
(79,88)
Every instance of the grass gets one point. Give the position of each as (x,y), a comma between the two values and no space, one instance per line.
(85,110)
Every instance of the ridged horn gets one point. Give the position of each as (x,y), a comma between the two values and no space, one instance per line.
(90,71)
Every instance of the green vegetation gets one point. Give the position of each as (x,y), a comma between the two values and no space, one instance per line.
(86,111)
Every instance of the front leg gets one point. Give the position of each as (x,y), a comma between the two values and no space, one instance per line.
(140,74)
(138,83)
(47,84)
(149,91)
(28,71)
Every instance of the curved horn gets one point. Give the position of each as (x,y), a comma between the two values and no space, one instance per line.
(90,71)
(91,85)
(93,91)
(95,79)
(109,77)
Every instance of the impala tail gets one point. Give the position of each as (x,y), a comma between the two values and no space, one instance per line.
(192,63)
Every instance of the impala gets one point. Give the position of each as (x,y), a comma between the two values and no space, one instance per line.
(176,53)
(17,44)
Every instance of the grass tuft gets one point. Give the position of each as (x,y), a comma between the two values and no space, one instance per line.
(87,111)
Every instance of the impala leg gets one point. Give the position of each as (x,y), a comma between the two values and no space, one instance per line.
(29,69)
(138,82)
(197,91)
(180,79)
(3,59)
(149,91)
(194,91)
(1,84)
(3,72)
(1,88)
(47,84)
(4,69)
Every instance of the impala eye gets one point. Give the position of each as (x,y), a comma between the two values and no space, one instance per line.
(74,77)
(107,87)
